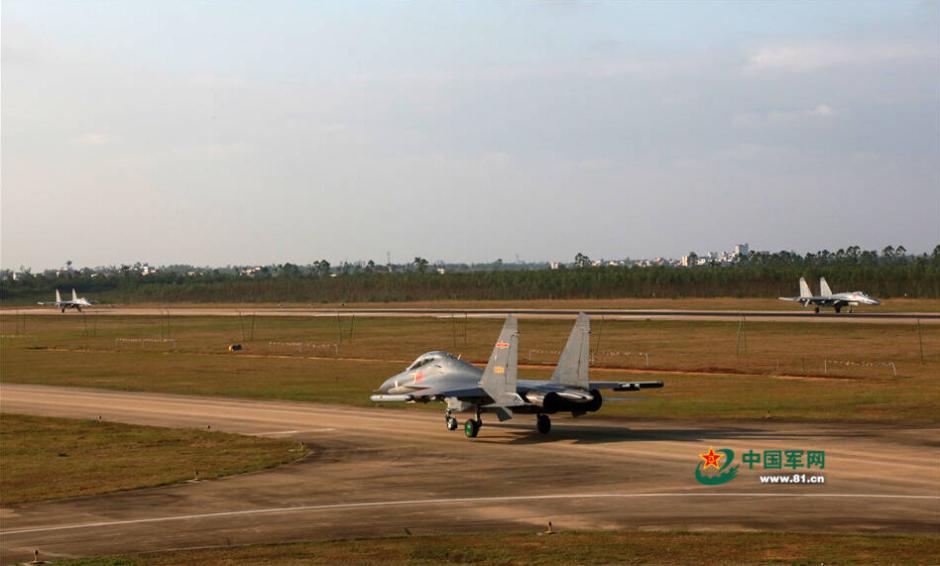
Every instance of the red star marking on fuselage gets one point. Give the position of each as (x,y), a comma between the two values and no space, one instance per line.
(418,376)
(711,458)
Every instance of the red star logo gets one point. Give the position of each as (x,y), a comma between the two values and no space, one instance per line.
(711,458)
(418,376)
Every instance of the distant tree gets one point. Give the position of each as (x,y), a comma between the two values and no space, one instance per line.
(322,267)
(582,260)
(421,264)
(289,270)
(370,266)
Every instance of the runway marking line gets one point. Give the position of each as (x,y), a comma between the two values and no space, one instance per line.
(281,432)
(393,503)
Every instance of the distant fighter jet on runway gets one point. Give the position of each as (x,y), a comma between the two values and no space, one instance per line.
(75,303)
(827,299)
(439,376)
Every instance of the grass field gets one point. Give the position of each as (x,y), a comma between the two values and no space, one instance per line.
(49,458)
(565,548)
(712,369)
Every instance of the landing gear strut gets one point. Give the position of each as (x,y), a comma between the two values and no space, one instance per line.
(471,428)
(543,423)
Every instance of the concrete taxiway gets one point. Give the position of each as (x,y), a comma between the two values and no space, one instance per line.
(613,314)
(380,471)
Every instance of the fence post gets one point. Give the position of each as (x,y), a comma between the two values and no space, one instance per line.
(920,340)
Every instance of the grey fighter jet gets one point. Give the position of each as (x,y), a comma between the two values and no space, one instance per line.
(463,387)
(827,298)
(75,303)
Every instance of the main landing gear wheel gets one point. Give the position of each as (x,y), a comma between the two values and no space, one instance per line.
(451,423)
(543,424)
(816,310)
(471,428)
(838,310)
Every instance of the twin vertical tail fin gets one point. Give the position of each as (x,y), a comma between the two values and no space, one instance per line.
(58,296)
(824,289)
(573,365)
(501,373)
(805,293)
(74,295)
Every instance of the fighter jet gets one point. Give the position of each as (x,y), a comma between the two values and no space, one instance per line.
(463,387)
(826,298)
(75,303)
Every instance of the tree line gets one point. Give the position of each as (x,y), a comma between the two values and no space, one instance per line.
(891,273)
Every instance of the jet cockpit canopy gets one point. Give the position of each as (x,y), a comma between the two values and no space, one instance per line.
(425,359)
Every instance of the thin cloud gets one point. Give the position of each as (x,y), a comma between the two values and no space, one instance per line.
(783,117)
(97,138)
(809,57)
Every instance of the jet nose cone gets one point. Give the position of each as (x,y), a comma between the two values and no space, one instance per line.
(386,385)
(389,383)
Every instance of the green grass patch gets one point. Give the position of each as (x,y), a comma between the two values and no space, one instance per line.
(50,458)
(664,548)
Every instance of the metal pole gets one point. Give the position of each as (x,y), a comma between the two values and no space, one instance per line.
(920,340)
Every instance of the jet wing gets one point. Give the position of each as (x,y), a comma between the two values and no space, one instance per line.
(626,385)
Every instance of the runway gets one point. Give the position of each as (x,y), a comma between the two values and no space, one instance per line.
(613,314)
(380,471)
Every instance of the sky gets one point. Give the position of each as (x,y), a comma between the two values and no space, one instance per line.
(226,132)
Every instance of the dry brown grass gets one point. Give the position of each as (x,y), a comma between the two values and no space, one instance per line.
(49,458)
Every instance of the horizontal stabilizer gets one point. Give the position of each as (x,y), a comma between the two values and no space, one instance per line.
(626,385)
